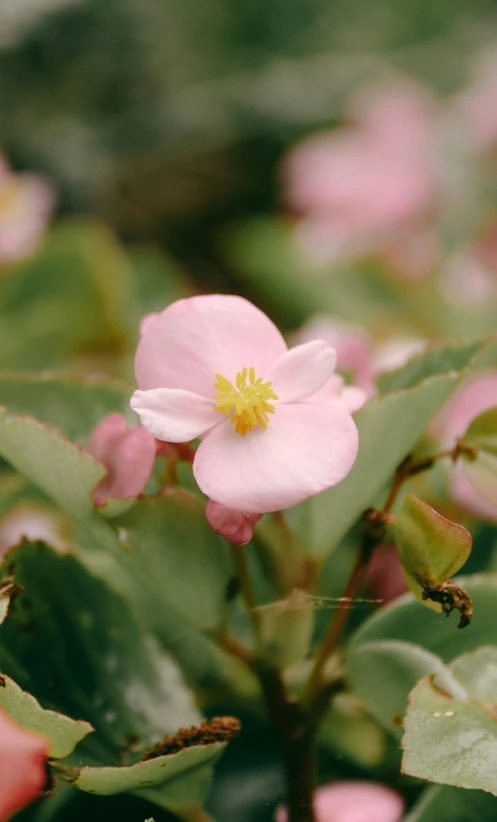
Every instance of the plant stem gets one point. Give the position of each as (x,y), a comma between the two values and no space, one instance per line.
(300,777)
(240,562)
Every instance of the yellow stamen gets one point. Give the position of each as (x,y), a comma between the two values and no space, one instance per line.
(249,403)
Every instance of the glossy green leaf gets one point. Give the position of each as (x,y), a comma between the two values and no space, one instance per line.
(79,649)
(64,733)
(383,673)
(431,548)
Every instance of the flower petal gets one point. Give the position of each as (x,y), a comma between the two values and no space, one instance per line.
(23,757)
(194,339)
(302,371)
(306,448)
(174,415)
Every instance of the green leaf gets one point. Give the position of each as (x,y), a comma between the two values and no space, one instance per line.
(176,556)
(440,803)
(449,740)
(48,316)
(477,672)
(178,782)
(431,548)
(431,363)
(73,405)
(66,473)
(64,733)
(383,673)
(482,431)
(79,649)
(405,619)
(349,730)
(389,428)
(481,468)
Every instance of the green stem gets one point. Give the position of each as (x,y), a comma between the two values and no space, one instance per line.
(247,590)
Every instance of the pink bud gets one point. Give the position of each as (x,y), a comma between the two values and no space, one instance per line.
(128,454)
(23,756)
(386,579)
(354,802)
(235,526)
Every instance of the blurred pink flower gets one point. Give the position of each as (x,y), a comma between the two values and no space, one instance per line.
(353,347)
(235,526)
(476,107)
(476,395)
(357,355)
(216,367)
(354,802)
(23,756)
(128,454)
(358,184)
(26,203)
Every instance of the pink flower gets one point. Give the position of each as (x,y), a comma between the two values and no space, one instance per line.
(23,756)
(216,367)
(358,186)
(476,395)
(128,454)
(235,526)
(354,802)
(353,348)
(26,202)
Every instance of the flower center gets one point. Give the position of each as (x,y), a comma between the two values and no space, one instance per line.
(249,403)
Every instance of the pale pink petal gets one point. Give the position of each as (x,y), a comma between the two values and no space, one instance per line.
(128,454)
(174,415)
(23,756)
(352,345)
(235,526)
(354,802)
(306,448)
(302,371)
(465,495)
(146,322)
(351,397)
(194,339)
